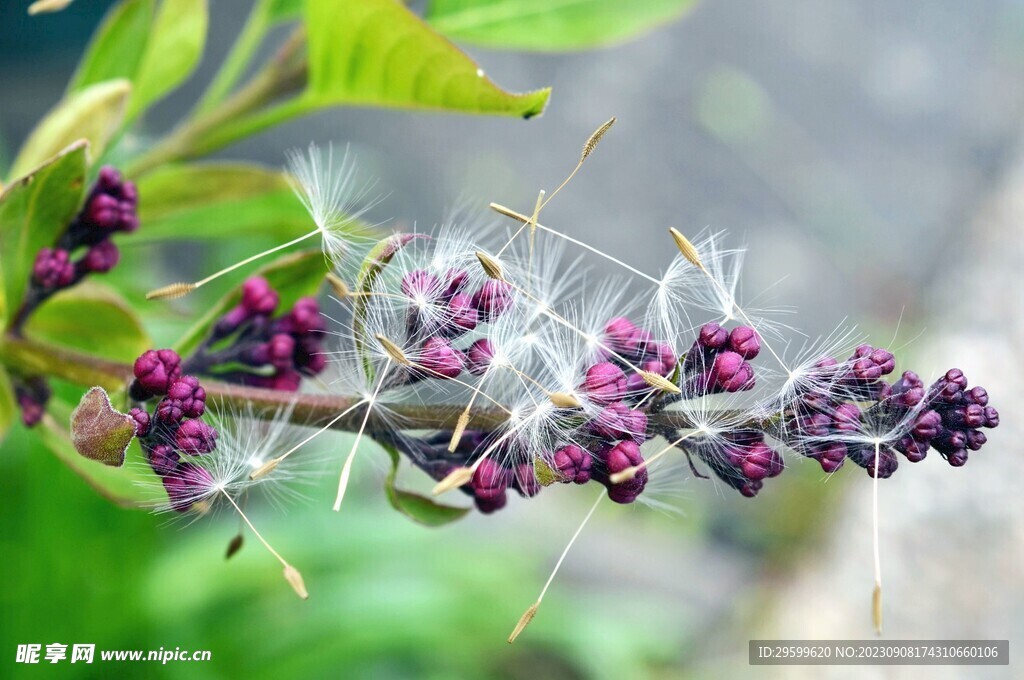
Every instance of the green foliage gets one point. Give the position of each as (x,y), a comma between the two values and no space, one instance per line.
(99,432)
(376,52)
(8,406)
(116,48)
(33,213)
(90,318)
(94,113)
(154,48)
(218,200)
(550,25)
(175,44)
(414,506)
(292,276)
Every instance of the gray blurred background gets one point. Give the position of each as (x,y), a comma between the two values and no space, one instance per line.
(869,154)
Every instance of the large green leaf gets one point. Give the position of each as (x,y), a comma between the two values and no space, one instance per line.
(292,276)
(94,113)
(116,48)
(414,506)
(34,211)
(93,319)
(215,200)
(172,51)
(8,406)
(377,52)
(550,25)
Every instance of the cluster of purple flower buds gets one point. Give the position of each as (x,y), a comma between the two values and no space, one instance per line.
(111,207)
(278,351)
(743,460)
(947,417)
(173,432)
(826,419)
(440,312)
(719,360)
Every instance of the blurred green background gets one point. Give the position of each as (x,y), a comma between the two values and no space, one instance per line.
(870,156)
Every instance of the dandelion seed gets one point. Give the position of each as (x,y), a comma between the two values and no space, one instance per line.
(528,615)
(327,193)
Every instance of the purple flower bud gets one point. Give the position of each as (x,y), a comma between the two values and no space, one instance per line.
(605,383)
(101,258)
(526,480)
(619,421)
(163,459)
(420,285)
(285,381)
(177,492)
(195,437)
(573,463)
(926,426)
(185,398)
(618,458)
(462,315)
(142,421)
(197,479)
(489,505)
(914,449)
(830,456)
(280,349)
(976,395)
(455,281)
(493,298)
(712,336)
(490,480)
(438,359)
(970,415)
(155,370)
(760,461)
(53,269)
(991,417)
(258,298)
(479,356)
(957,458)
(618,334)
(731,373)
(744,341)
(305,317)
(975,439)
(846,418)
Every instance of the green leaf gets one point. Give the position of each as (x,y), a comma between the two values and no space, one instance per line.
(8,405)
(293,276)
(217,200)
(94,113)
(550,25)
(374,262)
(126,486)
(284,10)
(93,319)
(377,52)
(116,48)
(98,431)
(34,211)
(414,506)
(172,51)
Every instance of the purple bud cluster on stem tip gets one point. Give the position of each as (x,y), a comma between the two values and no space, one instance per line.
(743,460)
(617,458)
(719,359)
(947,417)
(173,433)
(277,352)
(109,208)
(32,395)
